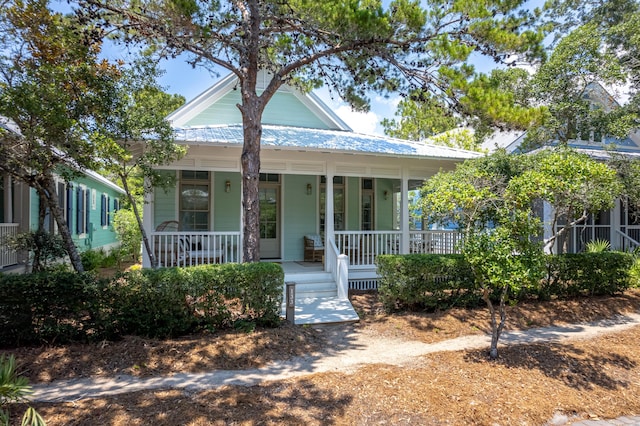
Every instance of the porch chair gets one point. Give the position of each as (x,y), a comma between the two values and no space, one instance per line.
(165,247)
(313,248)
(199,251)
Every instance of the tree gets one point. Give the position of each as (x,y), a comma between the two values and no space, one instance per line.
(573,185)
(492,200)
(498,230)
(53,87)
(355,46)
(136,137)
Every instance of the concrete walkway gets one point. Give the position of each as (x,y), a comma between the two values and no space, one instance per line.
(347,352)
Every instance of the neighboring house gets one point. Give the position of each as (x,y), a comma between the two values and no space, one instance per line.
(363,212)
(620,225)
(88,203)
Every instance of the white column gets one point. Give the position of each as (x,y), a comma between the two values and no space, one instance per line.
(615,237)
(547,219)
(147,222)
(404,214)
(328,208)
(8,198)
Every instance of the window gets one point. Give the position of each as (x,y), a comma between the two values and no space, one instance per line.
(194,200)
(338,203)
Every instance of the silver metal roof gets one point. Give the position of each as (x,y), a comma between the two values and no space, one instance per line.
(319,140)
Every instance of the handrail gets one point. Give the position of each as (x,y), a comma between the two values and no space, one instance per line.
(338,265)
(627,237)
(8,256)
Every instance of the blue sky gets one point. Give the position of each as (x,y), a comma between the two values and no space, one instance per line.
(189,82)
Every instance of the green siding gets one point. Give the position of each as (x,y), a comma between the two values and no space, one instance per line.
(384,208)
(300,215)
(353,203)
(165,203)
(226,205)
(284,109)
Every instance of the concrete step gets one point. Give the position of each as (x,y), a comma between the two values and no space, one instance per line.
(323,310)
(313,285)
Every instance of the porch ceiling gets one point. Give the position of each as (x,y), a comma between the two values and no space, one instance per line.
(320,140)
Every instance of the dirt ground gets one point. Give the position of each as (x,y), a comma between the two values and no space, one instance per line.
(528,385)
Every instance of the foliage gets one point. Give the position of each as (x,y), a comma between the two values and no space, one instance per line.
(126,228)
(634,272)
(137,137)
(63,307)
(587,274)
(48,247)
(432,282)
(353,46)
(598,246)
(55,88)
(573,184)
(94,259)
(14,388)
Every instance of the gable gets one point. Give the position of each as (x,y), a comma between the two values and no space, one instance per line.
(284,109)
(288,107)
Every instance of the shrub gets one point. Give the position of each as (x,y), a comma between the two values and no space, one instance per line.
(425,281)
(50,307)
(587,274)
(13,389)
(45,249)
(66,306)
(128,232)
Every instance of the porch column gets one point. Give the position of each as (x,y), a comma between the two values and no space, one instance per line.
(547,232)
(614,237)
(404,207)
(8,198)
(328,208)
(147,222)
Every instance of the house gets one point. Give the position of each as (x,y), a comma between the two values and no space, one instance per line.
(619,226)
(347,192)
(88,203)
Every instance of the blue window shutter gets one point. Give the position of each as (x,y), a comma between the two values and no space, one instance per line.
(108,212)
(103,210)
(79,204)
(88,210)
(69,206)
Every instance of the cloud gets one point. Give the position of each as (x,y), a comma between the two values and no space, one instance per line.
(366,123)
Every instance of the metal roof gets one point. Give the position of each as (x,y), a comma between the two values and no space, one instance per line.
(319,140)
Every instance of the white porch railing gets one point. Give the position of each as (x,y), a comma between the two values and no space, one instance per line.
(362,247)
(195,248)
(440,241)
(578,237)
(8,256)
(627,242)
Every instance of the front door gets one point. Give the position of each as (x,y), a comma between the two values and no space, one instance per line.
(269,194)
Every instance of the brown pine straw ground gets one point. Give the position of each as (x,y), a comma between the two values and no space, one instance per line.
(528,385)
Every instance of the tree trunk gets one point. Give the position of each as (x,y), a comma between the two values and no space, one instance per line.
(145,239)
(250,160)
(36,263)
(496,328)
(63,229)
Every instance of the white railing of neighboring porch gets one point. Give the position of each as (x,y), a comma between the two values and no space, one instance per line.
(627,242)
(579,235)
(8,256)
(189,248)
(362,247)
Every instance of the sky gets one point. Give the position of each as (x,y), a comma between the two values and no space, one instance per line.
(181,78)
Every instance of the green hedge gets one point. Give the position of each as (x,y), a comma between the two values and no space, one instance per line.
(432,282)
(61,307)
(587,274)
(425,281)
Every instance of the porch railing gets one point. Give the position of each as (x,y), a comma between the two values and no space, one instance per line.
(8,256)
(362,247)
(195,248)
(578,237)
(627,242)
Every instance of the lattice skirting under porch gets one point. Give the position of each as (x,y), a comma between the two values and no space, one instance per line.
(364,284)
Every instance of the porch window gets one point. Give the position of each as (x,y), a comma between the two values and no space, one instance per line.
(104,210)
(338,202)
(194,200)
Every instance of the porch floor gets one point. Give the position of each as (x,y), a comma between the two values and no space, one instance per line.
(316,310)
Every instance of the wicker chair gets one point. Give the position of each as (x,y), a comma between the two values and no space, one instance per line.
(313,248)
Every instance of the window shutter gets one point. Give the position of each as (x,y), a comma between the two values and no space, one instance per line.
(87,210)
(79,206)
(103,210)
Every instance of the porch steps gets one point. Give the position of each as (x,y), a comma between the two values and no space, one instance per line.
(317,300)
